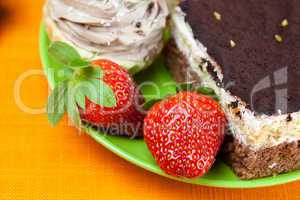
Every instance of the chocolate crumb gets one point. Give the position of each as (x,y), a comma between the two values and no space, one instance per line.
(289,118)
(234,104)
(211,71)
(138,24)
(239,114)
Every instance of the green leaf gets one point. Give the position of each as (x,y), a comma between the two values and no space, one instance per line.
(102,94)
(56,103)
(73,113)
(67,55)
(149,104)
(63,74)
(72,107)
(79,64)
(96,72)
(209,92)
(80,98)
(91,73)
(95,90)
(206,91)
(167,34)
(188,86)
(216,97)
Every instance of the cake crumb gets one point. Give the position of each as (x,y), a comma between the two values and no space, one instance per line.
(289,118)
(232,44)
(284,23)
(234,104)
(273,165)
(278,38)
(138,24)
(218,16)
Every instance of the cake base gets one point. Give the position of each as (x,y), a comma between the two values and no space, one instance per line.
(249,164)
(245,162)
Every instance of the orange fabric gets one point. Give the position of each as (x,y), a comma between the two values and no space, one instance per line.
(41,162)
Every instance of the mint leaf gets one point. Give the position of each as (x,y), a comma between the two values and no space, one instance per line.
(107,96)
(72,108)
(98,92)
(79,64)
(95,90)
(82,89)
(80,96)
(67,55)
(91,73)
(74,114)
(96,72)
(63,74)
(56,103)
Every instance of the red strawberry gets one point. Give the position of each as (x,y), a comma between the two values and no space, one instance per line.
(184,133)
(125,117)
(100,93)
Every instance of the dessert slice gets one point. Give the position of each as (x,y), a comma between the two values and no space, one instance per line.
(249,53)
(125,31)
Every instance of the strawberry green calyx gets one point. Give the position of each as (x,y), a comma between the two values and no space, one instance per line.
(149,104)
(82,80)
(190,86)
(209,92)
(187,86)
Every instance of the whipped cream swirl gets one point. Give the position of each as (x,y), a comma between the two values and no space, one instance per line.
(126,30)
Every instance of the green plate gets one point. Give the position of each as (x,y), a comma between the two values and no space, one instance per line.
(136,152)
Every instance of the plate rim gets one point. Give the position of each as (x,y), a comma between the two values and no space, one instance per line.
(235,184)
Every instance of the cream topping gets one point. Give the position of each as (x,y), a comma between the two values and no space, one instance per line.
(130,30)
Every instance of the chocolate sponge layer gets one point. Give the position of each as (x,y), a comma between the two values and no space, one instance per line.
(257,55)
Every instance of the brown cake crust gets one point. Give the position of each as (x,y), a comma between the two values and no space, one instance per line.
(249,164)
(245,162)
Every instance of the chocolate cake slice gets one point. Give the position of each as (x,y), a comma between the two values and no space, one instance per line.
(248,51)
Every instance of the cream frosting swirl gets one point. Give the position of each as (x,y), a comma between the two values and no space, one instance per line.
(126,30)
